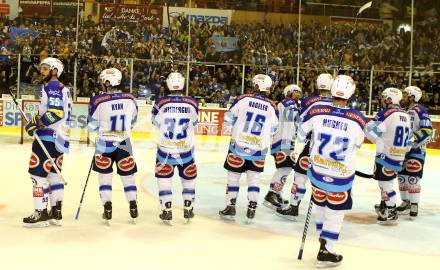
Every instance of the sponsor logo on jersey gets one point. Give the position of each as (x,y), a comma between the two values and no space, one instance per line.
(190,171)
(280,157)
(163,169)
(259,163)
(127,164)
(413,165)
(388,172)
(337,197)
(234,161)
(319,195)
(38,192)
(102,162)
(34,161)
(304,162)
(47,165)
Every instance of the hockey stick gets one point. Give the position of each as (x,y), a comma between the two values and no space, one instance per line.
(361,9)
(37,138)
(363,175)
(84,191)
(306,227)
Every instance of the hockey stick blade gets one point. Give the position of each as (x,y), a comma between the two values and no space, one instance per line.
(363,175)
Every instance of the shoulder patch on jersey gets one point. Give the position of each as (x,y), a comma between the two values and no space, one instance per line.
(358,117)
(389,112)
(320,110)
(309,101)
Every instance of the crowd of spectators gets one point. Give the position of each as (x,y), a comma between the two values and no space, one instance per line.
(271,49)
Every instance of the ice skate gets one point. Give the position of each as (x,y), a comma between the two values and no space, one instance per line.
(388,216)
(38,219)
(133,211)
(414,211)
(55,215)
(166,216)
(274,200)
(290,213)
(325,258)
(250,214)
(107,215)
(228,213)
(188,211)
(404,208)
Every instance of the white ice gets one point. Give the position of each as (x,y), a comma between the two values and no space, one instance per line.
(207,242)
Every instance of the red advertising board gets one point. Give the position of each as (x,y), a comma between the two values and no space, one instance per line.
(131,13)
(211,122)
(42,7)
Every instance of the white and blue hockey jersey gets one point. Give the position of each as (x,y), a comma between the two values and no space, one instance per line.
(112,117)
(337,133)
(254,120)
(55,110)
(284,138)
(308,103)
(391,131)
(176,118)
(421,126)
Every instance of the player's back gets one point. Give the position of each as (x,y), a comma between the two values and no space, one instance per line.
(396,138)
(311,101)
(255,121)
(176,118)
(113,116)
(337,133)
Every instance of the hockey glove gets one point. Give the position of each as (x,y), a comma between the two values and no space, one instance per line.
(33,125)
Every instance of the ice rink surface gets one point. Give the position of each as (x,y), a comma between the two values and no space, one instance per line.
(207,242)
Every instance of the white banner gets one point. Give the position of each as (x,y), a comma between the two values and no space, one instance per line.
(199,15)
(9,8)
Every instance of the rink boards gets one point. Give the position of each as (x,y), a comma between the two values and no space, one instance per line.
(210,120)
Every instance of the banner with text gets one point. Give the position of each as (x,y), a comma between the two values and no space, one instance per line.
(131,13)
(199,15)
(225,44)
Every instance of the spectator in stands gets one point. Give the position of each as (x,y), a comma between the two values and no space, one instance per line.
(434,104)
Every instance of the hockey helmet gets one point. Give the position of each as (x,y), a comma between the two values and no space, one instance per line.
(413,91)
(263,82)
(291,88)
(343,87)
(324,81)
(113,75)
(175,81)
(393,94)
(53,63)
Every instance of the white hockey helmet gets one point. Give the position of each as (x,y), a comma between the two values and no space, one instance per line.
(413,91)
(324,81)
(175,81)
(263,82)
(343,87)
(113,75)
(53,63)
(394,94)
(291,88)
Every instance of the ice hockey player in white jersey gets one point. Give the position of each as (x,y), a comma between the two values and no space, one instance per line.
(283,145)
(412,173)
(51,124)
(337,134)
(254,120)
(324,83)
(391,131)
(175,116)
(112,116)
